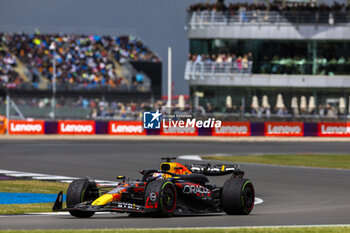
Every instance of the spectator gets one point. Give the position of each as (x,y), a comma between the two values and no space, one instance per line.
(83,60)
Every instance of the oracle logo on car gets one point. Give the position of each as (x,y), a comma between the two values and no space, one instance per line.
(289,129)
(232,129)
(334,129)
(194,189)
(26,127)
(126,128)
(76,127)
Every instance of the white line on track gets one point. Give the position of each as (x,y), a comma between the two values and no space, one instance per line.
(189,157)
(38,176)
(258,201)
(48,214)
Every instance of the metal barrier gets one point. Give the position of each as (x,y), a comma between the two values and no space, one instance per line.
(203,70)
(201,19)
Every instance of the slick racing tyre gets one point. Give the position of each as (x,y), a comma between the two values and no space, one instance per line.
(79,191)
(237,196)
(160,198)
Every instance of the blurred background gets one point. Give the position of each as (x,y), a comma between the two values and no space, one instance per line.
(236,61)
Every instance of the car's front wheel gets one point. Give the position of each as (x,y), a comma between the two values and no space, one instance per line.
(160,198)
(79,191)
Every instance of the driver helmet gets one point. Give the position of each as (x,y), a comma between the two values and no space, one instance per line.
(158,175)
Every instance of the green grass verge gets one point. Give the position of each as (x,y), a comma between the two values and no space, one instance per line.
(341,161)
(232,230)
(29,186)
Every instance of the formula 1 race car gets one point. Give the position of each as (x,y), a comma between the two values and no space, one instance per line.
(175,189)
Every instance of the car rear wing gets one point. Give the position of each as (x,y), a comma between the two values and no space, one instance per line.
(216,169)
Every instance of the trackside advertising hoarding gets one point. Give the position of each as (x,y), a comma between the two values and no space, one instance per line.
(26,127)
(284,129)
(76,127)
(182,128)
(126,128)
(178,129)
(334,129)
(233,129)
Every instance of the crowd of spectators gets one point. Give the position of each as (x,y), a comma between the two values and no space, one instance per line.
(301,65)
(8,76)
(128,48)
(83,60)
(221,57)
(324,111)
(297,65)
(220,6)
(239,63)
(271,13)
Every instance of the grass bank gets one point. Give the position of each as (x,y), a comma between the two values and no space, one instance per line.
(209,230)
(341,161)
(29,186)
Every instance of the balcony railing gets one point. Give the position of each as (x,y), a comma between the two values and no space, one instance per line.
(203,70)
(201,19)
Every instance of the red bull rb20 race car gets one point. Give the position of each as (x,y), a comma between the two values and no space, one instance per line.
(175,189)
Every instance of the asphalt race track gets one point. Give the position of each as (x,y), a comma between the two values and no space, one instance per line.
(292,196)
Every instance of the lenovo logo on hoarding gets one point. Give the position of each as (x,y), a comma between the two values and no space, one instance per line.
(76,127)
(284,129)
(26,127)
(189,131)
(333,129)
(232,129)
(126,127)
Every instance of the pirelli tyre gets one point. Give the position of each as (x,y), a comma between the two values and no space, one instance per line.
(237,196)
(79,191)
(160,198)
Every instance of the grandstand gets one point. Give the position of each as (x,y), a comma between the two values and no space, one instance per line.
(284,60)
(83,62)
(87,69)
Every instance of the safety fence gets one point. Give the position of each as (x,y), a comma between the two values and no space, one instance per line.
(201,19)
(233,129)
(203,70)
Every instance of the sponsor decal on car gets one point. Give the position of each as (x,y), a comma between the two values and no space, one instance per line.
(153,197)
(131,206)
(26,127)
(194,189)
(232,129)
(291,129)
(334,129)
(126,128)
(76,127)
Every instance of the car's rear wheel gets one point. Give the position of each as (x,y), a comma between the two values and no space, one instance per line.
(237,196)
(160,198)
(79,191)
